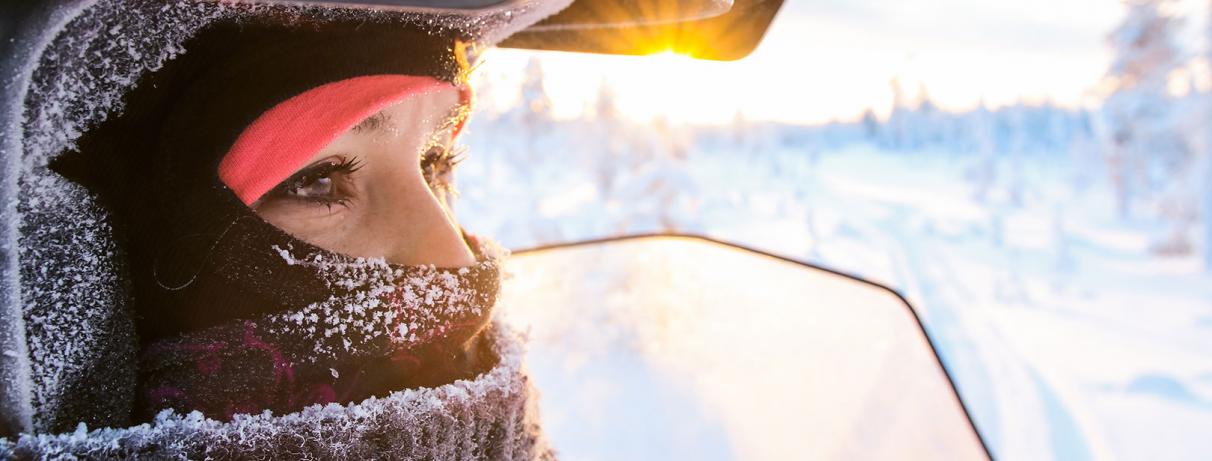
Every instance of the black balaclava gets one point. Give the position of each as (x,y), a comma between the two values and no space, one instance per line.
(233,314)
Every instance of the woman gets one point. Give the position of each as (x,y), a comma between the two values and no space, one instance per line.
(279,247)
(279,192)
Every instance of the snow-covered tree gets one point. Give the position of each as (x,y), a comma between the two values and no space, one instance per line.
(536,105)
(740,131)
(915,121)
(896,129)
(606,107)
(929,125)
(983,172)
(871,125)
(533,114)
(1206,207)
(607,155)
(1145,148)
(1205,173)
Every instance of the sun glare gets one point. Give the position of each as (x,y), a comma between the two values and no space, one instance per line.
(669,55)
(817,64)
(665,84)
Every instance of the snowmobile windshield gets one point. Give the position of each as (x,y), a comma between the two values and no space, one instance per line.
(681,348)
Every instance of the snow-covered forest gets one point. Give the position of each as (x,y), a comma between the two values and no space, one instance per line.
(1060,256)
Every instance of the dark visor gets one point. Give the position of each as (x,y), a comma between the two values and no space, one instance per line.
(583,13)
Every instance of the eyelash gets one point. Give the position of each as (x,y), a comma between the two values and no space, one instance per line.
(438,163)
(338,172)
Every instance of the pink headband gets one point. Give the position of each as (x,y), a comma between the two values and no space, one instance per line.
(285,137)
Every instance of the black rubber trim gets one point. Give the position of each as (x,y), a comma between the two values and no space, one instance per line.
(921,326)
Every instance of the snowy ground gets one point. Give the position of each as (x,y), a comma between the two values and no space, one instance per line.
(1068,338)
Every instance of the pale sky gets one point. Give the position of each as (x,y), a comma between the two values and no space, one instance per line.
(832,59)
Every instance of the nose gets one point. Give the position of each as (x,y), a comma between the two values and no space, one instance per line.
(414,227)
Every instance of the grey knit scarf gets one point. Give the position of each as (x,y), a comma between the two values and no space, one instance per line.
(493,416)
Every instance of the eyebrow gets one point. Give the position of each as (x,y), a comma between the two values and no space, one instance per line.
(453,116)
(375,123)
(379,121)
(449,121)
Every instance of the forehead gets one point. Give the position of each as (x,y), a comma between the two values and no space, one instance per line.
(413,121)
(439,105)
(431,108)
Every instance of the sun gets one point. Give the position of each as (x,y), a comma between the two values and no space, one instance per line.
(668,56)
(666,84)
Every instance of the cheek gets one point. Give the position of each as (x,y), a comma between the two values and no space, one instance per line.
(317,225)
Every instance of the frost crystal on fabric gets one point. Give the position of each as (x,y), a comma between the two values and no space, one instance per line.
(71,291)
(380,328)
(73,317)
(421,297)
(491,417)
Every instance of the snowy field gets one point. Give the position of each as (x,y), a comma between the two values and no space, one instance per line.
(1070,336)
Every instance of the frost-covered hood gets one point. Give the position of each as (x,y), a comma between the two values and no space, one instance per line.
(63,306)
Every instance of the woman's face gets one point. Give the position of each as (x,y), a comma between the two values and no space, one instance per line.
(379,189)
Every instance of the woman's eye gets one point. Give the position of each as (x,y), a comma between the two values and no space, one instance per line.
(437,164)
(326,183)
(315,187)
